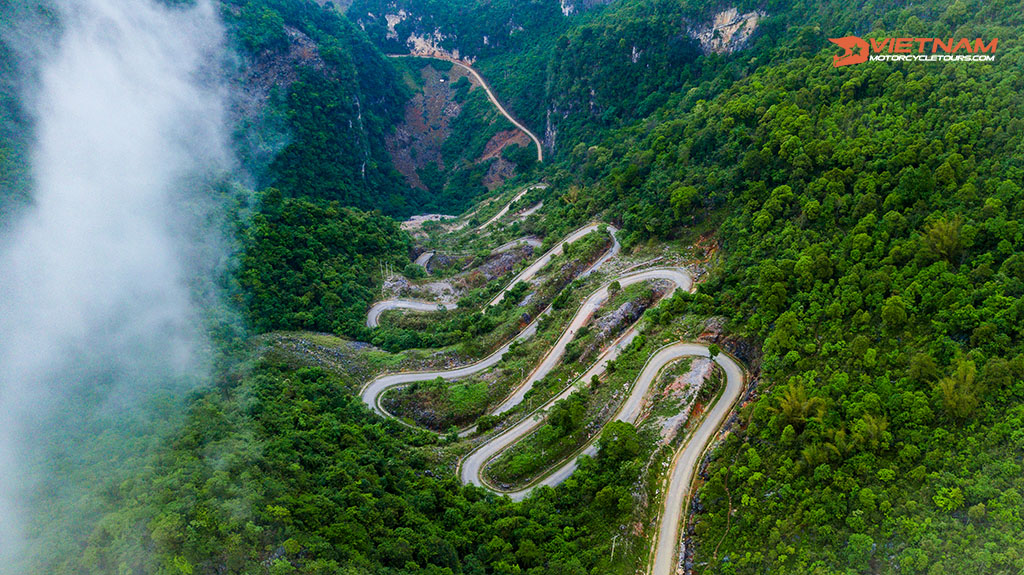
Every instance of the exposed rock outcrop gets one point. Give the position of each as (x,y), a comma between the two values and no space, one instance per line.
(504,262)
(272,69)
(418,140)
(570,7)
(727,31)
(626,314)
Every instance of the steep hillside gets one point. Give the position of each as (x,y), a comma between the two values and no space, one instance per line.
(14,131)
(858,234)
(451,127)
(324,114)
(316,102)
(869,223)
(869,219)
(570,73)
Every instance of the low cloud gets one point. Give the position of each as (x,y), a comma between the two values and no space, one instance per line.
(97,292)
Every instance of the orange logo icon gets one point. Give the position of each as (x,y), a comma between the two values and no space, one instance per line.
(856,51)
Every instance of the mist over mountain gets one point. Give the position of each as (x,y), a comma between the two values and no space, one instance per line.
(492,288)
(95,305)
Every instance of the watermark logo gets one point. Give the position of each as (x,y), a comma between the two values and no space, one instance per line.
(857,50)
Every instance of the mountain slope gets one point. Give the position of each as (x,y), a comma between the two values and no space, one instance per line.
(870,223)
(316,102)
(868,230)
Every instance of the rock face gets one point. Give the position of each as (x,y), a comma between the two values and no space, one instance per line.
(442,261)
(612,325)
(501,169)
(684,389)
(625,315)
(504,262)
(570,7)
(727,31)
(744,350)
(418,140)
(278,69)
(395,286)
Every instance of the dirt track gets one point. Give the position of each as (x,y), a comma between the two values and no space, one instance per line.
(490,94)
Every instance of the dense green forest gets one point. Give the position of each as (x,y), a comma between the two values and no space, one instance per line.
(869,222)
(13,124)
(585,75)
(309,266)
(307,481)
(869,219)
(579,75)
(334,117)
(874,247)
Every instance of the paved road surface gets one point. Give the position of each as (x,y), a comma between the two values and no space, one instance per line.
(531,270)
(501,213)
(527,240)
(680,277)
(686,460)
(685,465)
(373,316)
(372,390)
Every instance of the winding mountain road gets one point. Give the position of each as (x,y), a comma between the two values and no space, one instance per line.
(472,466)
(501,213)
(376,387)
(682,280)
(684,464)
(531,270)
(372,391)
(527,241)
(373,316)
(422,259)
(664,553)
(487,88)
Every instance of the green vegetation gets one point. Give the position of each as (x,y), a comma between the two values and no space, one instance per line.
(562,432)
(478,122)
(878,268)
(477,328)
(287,471)
(14,130)
(869,222)
(573,422)
(313,266)
(439,405)
(334,116)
